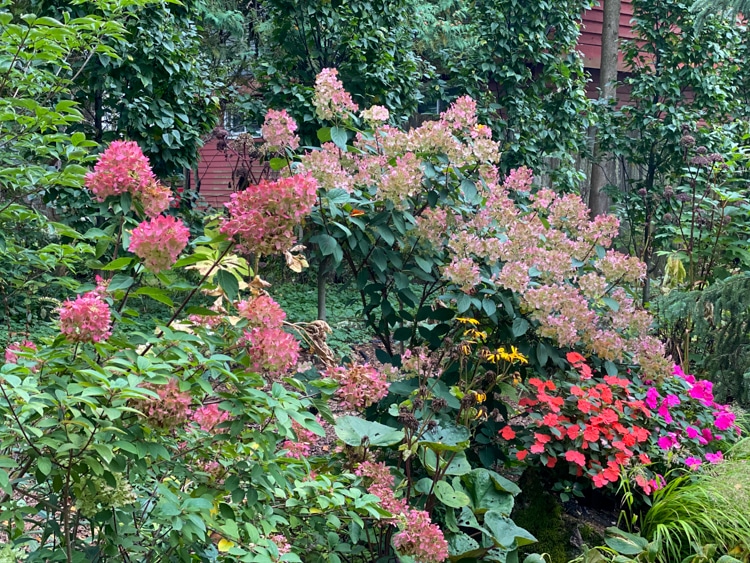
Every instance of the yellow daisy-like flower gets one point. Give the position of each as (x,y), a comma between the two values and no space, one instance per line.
(517,356)
(480,397)
(467,321)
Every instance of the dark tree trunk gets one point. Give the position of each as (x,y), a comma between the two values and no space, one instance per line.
(604,168)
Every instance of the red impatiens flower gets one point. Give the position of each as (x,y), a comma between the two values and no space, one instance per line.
(574,358)
(575,457)
(508,433)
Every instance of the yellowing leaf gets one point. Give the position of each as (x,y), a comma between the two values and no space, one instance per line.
(225,545)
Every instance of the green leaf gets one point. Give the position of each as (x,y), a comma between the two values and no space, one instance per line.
(118,264)
(534,558)
(449,496)
(446,437)
(326,243)
(157,294)
(324,134)
(463,546)
(458,465)
(44,464)
(278,163)
(339,137)
(355,431)
(505,532)
(228,283)
(625,543)
(520,326)
(120,281)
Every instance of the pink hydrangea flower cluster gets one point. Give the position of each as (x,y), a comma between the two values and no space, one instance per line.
(278,131)
(11,352)
(208,417)
(86,319)
(170,410)
(159,241)
(381,485)
(271,350)
(361,385)
(282,544)
(306,439)
(123,168)
(464,272)
(263,217)
(420,538)
(262,311)
(376,114)
(331,100)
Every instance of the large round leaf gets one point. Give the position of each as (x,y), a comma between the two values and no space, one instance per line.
(355,431)
(504,531)
(446,437)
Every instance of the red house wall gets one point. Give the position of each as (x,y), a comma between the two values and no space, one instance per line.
(590,41)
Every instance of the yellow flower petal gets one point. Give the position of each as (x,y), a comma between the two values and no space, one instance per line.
(225,545)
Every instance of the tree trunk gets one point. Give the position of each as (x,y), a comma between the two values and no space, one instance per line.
(604,168)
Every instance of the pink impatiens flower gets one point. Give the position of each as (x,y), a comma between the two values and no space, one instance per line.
(86,319)
(715,458)
(158,242)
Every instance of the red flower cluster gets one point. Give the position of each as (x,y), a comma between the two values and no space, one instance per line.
(591,423)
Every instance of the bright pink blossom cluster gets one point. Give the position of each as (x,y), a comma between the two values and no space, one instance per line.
(123,168)
(302,447)
(382,485)
(690,417)
(271,350)
(263,217)
(86,319)
(208,417)
(360,385)
(331,101)
(159,241)
(420,538)
(170,410)
(278,130)
(11,352)
(262,311)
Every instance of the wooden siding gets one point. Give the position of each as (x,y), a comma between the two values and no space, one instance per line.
(590,41)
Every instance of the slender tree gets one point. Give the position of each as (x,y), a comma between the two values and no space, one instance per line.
(603,171)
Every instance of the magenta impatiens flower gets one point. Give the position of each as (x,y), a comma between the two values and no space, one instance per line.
(666,442)
(724,420)
(86,319)
(158,242)
(693,462)
(715,458)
